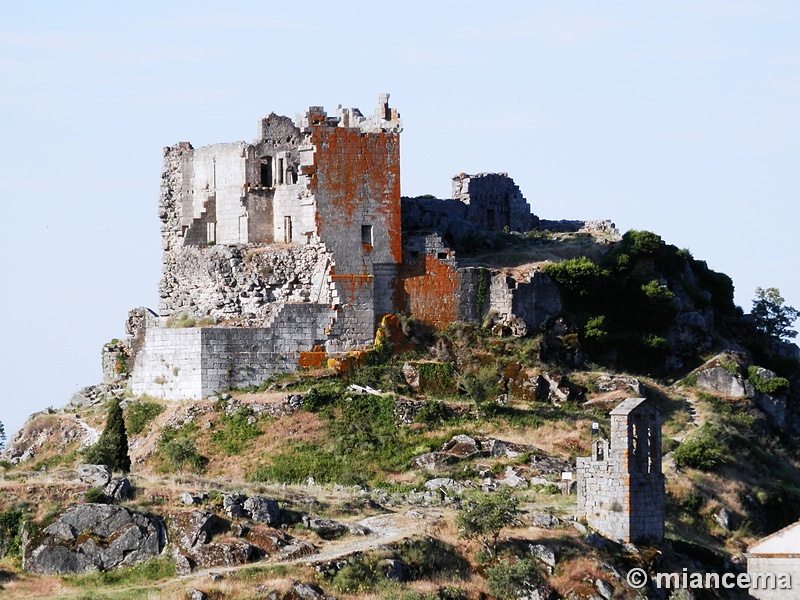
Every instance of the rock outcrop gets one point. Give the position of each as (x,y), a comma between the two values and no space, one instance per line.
(94,537)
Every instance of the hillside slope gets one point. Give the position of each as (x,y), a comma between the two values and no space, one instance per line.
(433,422)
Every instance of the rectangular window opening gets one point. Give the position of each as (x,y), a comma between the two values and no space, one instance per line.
(366,234)
(266,171)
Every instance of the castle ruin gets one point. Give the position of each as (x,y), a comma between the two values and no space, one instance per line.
(291,248)
(621,486)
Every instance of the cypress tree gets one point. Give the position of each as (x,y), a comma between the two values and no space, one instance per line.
(111,448)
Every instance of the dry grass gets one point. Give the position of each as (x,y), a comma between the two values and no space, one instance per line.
(577,576)
(16,584)
(561,246)
(562,438)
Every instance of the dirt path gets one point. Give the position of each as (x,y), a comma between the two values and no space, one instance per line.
(385,528)
(695,418)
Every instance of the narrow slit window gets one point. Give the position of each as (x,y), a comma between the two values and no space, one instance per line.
(287,230)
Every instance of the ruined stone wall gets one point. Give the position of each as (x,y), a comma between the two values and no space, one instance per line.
(168,364)
(530,302)
(218,172)
(277,171)
(647,501)
(193,362)
(603,497)
(495,202)
(436,291)
(242,284)
(234,357)
(481,203)
(432,215)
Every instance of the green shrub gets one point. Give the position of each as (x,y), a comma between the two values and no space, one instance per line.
(307,460)
(595,329)
(357,576)
(579,277)
(111,448)
(642,243)
(95,495)
(703,451)
(321,396)
(651,341)
(139,414)
(436,377)
(731,366)
(690,380)
(235,430)
(10,531)
(510,580)
(182,319)
(178,450)
(431,558)
(765,385)
(693,503)
(433,412)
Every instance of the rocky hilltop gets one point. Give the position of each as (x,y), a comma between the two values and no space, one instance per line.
(359,478)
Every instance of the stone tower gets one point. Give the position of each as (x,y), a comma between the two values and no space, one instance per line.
(621,486)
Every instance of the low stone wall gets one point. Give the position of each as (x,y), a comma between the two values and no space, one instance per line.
(168,364)
(184,363)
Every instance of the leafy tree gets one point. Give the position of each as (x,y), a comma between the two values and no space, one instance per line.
(484,517)
(112,447)
(771,315)
(2,436)
(509,581)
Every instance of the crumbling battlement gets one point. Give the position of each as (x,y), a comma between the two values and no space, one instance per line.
(294,243)
(480,203)
(495,202)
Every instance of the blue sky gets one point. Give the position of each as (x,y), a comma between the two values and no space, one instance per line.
(678,117)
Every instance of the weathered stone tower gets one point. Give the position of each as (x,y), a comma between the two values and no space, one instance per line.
(274,249)
(621,486)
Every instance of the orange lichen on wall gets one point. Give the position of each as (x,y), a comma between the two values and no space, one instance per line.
(347,364)
(432,296)
(350,283)
(390,332)
(357,175)
(313,360)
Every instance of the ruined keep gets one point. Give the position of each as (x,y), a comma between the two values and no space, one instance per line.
(621,486)
(280,252)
